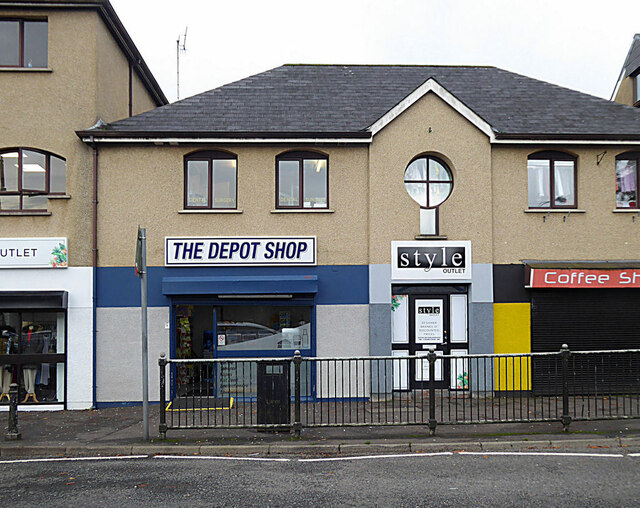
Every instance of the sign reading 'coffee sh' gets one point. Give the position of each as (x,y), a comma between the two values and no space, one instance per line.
(431,261)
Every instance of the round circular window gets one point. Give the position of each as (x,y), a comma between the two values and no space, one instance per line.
(428,181)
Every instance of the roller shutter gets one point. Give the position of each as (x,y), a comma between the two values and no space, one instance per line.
(586,320)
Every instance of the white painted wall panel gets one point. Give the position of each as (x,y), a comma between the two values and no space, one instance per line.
(119,352)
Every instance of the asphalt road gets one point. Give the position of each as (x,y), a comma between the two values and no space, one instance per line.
(441,480)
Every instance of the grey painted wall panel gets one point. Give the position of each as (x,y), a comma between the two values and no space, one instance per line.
(379,283)
(481,342)
(119,352)
(342,330)
(481,290)
(380,329)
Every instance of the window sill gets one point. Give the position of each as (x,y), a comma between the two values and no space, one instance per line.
(26,69)
(627,210)
(208,211)
(59,196)
(430,237)
(554,210)
(303,210)
(23,214)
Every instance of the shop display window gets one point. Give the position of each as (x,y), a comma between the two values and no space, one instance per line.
(302,180)
(32,347)
(234,331)
(627,180)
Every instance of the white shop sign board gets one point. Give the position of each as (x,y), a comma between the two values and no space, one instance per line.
(240,251)
(428,321)
(432,261)
(33,253)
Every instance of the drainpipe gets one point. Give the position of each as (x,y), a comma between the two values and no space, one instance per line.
(94,225)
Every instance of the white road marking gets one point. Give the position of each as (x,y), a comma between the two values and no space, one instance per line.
(73,459)
(206,457)
(633,455)
(363,457)
(548,454)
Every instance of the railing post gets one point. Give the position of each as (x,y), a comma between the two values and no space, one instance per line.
(162,362)
(297,423)
(566,418)
(13,434)
(431,356)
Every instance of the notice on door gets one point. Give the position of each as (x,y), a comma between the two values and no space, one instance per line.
(429,322)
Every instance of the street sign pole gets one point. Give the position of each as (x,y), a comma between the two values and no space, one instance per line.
(141,271)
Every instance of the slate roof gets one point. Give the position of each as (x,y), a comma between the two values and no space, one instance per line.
(632,63)
(345,100)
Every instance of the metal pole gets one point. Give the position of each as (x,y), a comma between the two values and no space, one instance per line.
(297,424)
(431,356)
(566,418)
(145,354)
(163,415)
(178,69)
(13,434)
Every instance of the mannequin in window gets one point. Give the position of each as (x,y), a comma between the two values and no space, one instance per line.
(30,343)
(8,343)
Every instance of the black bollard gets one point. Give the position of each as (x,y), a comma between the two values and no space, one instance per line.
(13,434)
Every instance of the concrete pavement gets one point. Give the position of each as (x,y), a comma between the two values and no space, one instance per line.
(118,431)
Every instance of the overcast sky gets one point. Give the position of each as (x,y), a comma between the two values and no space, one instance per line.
(579,44)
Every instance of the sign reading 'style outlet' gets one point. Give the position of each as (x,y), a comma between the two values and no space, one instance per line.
(438,261)
(234,251)
(33,253)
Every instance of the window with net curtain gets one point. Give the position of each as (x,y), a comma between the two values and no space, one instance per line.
(210,181)
(552,180)
(627,180)
(27,177)
(302,180)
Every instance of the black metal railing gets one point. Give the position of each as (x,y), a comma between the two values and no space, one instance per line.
(429,389)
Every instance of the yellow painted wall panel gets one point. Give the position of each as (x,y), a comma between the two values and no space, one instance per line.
(512,335)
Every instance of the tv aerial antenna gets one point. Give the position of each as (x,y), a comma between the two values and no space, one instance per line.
(181,47)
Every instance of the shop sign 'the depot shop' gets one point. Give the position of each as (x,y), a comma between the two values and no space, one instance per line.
(238,251)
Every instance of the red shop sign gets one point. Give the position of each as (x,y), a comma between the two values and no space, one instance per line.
(579,278)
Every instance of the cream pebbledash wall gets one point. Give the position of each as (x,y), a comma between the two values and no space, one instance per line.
(430,126)
(112,71)
(144,185)
(625,92)
(598,233)
(42,109)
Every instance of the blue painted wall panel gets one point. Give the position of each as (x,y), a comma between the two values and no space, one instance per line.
(337,285)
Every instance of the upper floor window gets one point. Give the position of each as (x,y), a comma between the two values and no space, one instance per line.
(428,181)
(627,180)
(552,180)
(636,90)
(23,43)
(26,178)
(210,181)
(302,180)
